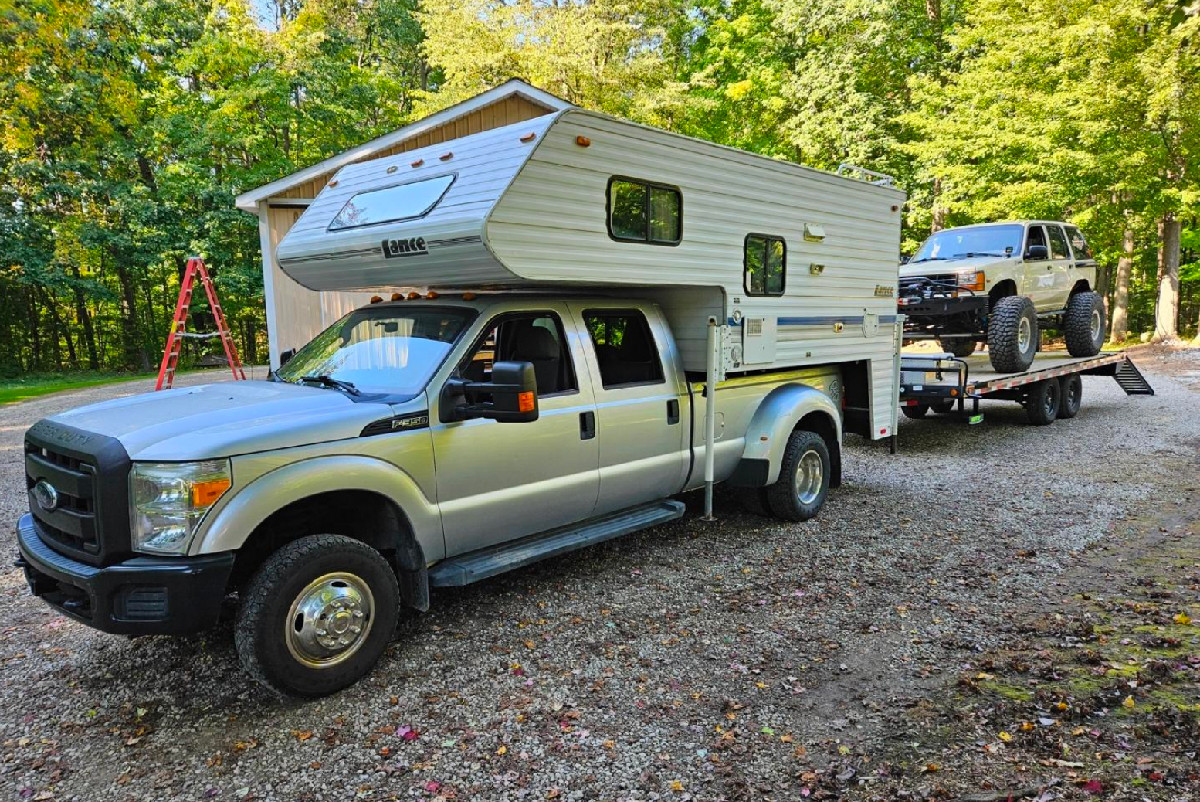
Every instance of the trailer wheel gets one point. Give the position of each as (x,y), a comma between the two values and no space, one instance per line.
(1083,324)
(803,482)
(1071,390)
(958,346)
(1012,334)
(1043,402)
(943,407)
(916,411)
(317,615)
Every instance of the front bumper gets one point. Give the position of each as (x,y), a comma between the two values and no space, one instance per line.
(944,306)
(140,596)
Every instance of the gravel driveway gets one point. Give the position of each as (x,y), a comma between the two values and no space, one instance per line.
(694,661)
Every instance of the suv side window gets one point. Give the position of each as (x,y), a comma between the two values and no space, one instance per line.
(1078,243)
(624,347)
(535,337)
(1035,236)
(1058,243)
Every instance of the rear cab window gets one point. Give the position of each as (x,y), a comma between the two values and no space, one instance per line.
(624,346)
(1079,244)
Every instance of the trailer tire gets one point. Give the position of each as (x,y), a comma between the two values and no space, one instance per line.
(804,476)
(915,411)
(1083,324)
(958,346)
(943,407)
(1012,334)
(305,590)
(1043,401)
(1071,392)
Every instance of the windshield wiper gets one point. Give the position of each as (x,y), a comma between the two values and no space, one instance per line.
(969,254)
(928,259)
(329,381)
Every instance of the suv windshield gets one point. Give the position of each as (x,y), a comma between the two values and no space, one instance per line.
(959,243)
(382,349)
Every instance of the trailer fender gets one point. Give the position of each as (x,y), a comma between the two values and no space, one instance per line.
(241,515)
(773,422)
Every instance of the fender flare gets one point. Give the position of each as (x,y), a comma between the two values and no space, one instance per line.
(771,426)
(252,504)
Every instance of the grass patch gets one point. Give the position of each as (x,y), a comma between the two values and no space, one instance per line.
(33,385)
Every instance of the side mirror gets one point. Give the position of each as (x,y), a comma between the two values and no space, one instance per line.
(286,356)
(1037,253)
(510,397)
(905,259)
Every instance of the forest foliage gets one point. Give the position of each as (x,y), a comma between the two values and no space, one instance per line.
(127,127)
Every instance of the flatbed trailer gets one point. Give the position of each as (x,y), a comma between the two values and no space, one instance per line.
(1050,389)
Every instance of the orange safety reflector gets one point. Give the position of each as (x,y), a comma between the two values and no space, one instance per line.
(529,137)
(205,494)
(397,296)
(468,296)
(417,163)
(582,141)
(953,391)
(525,401)
(447,156)
(376,299)
(431,295)
(412,296)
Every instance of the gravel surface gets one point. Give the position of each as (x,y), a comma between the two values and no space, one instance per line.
(733,660)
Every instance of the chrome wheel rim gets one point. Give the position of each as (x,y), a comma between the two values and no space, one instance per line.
(1024,334)
(329,620)
(1095,324)
(809,474)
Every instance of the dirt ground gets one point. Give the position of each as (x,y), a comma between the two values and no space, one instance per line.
(996,612)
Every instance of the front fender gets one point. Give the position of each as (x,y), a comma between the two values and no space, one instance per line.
(271,492)
(772,425)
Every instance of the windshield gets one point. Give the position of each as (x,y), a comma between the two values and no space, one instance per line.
(385,349)
(959,243)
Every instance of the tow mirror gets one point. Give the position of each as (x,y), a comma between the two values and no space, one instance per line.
(510,397)
(1036,252)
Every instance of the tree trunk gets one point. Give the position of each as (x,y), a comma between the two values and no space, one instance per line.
(939,211)
(1166,317)
(1120,310)
(85,321)
(135,349)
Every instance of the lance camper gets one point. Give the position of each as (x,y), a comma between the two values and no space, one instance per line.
(595,317)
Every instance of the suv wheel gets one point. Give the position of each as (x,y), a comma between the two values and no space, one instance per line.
(1043,401)
(317,615)
(803,482)
(958,346)
(1083,324)
(1012,334)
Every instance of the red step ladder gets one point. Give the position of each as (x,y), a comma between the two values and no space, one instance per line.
(166,371)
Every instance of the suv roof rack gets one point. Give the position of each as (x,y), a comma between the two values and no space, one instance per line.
(848,170)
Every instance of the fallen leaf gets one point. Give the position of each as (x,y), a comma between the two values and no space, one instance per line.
(1183,618)
(1093,787)
(1005,736)
(1128,703)
(503,750)
(676,785)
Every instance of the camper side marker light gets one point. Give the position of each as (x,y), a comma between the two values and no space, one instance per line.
(582,141)
(529,137)
(376,299)
(412,296)
(431,295)
(417,163)
(447,156)
(525,401)
(468,296)
(397,296)
(333,183)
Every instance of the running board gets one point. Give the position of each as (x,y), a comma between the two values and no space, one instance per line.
(467,568)
(1131,379)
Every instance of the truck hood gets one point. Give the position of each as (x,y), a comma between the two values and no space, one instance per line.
(225,419)
(940,267)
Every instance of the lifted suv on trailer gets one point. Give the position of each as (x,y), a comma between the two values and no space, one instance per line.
(998,283)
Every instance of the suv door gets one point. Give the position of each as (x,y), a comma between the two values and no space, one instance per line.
(640,405)
(1037,278)
(501,481)
(1061,266)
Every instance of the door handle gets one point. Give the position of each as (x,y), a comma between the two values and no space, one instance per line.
(673,412)
(587,425)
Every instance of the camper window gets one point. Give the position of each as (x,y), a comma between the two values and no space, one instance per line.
(765,264)
(640,211)
(392,204)
(624,347)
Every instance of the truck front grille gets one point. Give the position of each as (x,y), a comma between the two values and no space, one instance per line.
(69,524)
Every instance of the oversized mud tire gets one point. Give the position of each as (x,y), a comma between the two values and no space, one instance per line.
(958,346)
(804,475)
(1043,402)
(1071,392)
(1012,334)
(317,615)
(915,411)
(1083,324)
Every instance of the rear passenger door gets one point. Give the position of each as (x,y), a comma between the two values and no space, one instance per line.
(640,405)
(1061,264)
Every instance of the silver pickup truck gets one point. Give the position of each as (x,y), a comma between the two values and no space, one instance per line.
(415,443)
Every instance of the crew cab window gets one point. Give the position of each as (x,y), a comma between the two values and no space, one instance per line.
(641,211)
(763,264)
(1058,243)
(1078,243)
(534,337)
(1036,236)
(624,346)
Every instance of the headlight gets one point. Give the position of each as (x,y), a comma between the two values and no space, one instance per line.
(974,280)
(168,500)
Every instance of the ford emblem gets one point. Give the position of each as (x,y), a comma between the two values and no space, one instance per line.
(45,495)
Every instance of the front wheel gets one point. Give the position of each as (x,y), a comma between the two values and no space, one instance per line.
(317,616)
(803,482)
(1012,334)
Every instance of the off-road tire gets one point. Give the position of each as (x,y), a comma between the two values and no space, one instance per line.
(1071,395)
(266,604)
(1043,402)
(1084,311)
(1004,326)
(958,346)
(914,412)
(783,499)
